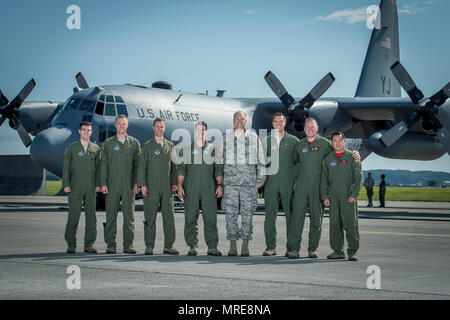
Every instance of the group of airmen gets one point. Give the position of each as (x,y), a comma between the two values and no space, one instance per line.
(329,175)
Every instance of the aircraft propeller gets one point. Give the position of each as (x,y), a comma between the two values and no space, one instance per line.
(426,110)
(298,112)
(81,81)
(10,110)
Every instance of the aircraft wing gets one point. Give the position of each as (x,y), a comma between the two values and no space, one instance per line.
(375,109)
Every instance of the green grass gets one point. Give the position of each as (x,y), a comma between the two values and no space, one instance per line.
(52,187)
(392,193)
(411,194)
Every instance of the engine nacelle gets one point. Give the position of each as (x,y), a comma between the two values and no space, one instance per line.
(330,118)
(411,146)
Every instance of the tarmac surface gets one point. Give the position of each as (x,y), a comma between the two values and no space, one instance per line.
(407,242)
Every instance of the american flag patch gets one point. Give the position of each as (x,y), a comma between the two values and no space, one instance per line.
(386,43)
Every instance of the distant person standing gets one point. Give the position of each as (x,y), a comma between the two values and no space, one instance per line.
(368,184)
(80,181)
(382,191)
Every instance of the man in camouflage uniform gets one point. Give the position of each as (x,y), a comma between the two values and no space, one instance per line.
(340,186)
(80,181)
(119,161)
(244,174)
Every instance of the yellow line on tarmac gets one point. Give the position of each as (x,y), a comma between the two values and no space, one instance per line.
(403,234)
(408,234)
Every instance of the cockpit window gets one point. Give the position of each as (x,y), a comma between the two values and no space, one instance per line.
(110,110)
(100,107)
(121,109)
(109,105)
(73,104)
(87,105)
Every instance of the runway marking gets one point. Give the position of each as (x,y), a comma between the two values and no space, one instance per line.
(19,218)
(408,234)
(403,234)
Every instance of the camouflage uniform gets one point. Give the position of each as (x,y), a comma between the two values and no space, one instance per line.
(243,170)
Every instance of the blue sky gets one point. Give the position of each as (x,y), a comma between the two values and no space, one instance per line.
(208,45)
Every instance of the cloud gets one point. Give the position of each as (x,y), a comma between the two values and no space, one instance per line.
(350,16)
(409,9)
(248,11)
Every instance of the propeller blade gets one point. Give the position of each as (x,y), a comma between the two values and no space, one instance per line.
(81,81)
(439,97)
(23,94)
(2,120)
(397,131)
(279,89)
(3,100)
(444,137)
(406,82)
(24,135)
(319,89)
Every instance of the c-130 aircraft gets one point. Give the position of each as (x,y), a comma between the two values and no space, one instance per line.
(377,119)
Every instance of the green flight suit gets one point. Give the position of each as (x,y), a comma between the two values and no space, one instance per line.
(200,188)
(118,172)
(279,186)
(307,193)
(80,173)
(158,173)
(341,179)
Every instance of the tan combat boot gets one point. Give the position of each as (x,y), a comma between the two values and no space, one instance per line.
(233,248)
(245,252)
(336,255)
(111,250)
(269,252)
(352,257)
(129,250)
(90,250)
(171,251)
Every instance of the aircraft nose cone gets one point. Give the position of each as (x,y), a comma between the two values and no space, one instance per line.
(48,147)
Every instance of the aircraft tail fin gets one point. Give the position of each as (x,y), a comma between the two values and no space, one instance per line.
(376,78)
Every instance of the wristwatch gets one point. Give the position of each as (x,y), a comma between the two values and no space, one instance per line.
(220,185)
